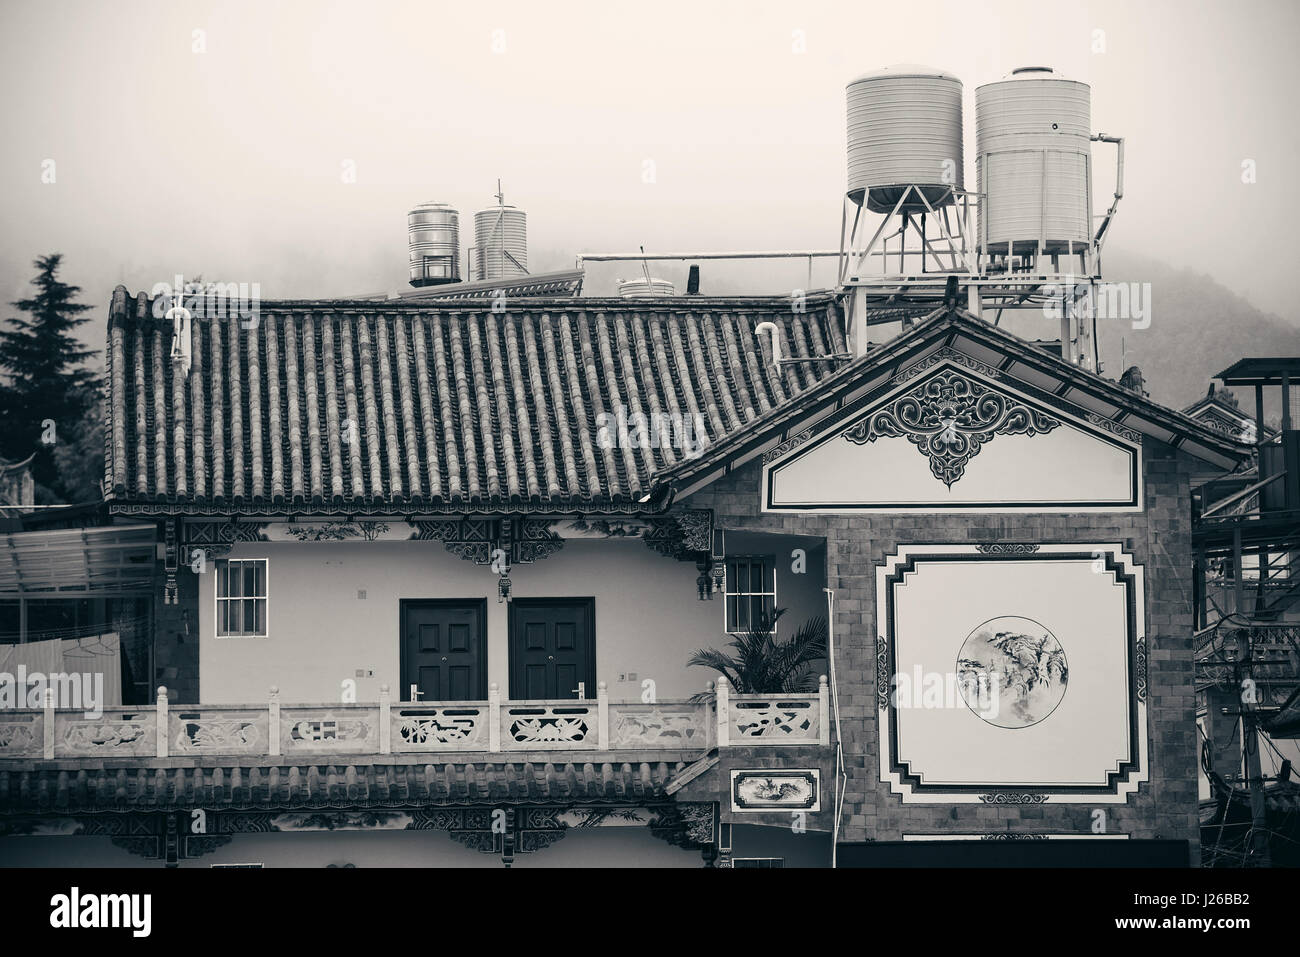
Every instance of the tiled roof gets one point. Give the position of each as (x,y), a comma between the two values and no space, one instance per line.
(47,787)
(454,407)
(1013,356)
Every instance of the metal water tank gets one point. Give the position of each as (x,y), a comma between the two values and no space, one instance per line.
(433,239)
(904,128)
(1033,162)
(640,289)
(501,243)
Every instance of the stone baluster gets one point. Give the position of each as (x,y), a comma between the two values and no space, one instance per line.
(48,723)
(385,722)
(494,717)
(602,716)
(724,714)
(163,738)
(710,723)
(273,729)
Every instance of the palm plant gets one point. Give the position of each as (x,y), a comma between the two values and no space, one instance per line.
(760,663)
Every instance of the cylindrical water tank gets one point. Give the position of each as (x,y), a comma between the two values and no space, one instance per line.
(904,129)
(433,239)
(639,289)
(1032,162)
(501,243)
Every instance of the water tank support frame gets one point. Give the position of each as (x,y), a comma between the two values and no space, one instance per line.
(951,243)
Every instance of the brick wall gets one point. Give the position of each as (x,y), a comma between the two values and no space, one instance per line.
(1164,807)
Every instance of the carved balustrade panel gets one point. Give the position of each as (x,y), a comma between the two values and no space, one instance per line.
(353,730)
(554,725)
(759,720)
(22,735)
(210,730)
(680,725)
(118,731)
(458,726)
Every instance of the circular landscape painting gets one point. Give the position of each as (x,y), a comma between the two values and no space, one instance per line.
(1012,672)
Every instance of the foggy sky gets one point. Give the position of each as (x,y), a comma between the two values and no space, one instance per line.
(228,162)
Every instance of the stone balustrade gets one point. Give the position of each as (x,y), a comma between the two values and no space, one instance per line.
(721,719)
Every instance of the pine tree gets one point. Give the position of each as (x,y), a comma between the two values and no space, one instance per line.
(46,390)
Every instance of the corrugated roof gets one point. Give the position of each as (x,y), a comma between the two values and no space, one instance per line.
(47,561)
(346,406)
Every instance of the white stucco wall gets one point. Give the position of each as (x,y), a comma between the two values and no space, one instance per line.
(648,619)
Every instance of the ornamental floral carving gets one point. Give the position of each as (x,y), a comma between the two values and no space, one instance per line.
(16,737)
(548,728)
(439,729)
(1007,548)
(106,736)
(772,720)
(949,418)
(656,728)
(1000,797)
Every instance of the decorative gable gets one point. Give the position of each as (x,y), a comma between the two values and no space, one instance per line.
(948,418)
(951,433)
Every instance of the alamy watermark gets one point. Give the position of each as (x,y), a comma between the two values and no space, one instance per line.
(1125,301)
(636,430)
(978,691)
(77,909)
(210,300)
(73,691)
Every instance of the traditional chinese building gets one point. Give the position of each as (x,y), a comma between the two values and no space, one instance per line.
(437,567)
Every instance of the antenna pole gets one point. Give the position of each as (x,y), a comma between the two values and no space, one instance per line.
(645,268)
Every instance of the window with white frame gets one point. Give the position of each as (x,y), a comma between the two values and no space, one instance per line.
(241,598)
(751,592)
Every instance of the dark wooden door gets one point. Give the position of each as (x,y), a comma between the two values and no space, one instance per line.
(552,648)
(444,649)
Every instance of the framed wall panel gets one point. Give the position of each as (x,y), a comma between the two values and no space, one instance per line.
(1012,673)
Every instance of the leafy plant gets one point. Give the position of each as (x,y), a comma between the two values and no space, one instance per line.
(761,663)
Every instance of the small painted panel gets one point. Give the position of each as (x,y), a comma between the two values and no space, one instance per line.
(783,789)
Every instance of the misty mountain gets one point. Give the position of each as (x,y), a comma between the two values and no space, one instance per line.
(1198,328)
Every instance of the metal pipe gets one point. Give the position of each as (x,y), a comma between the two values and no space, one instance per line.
(1119,160)
(841,776)
(775,254)
(770,327)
